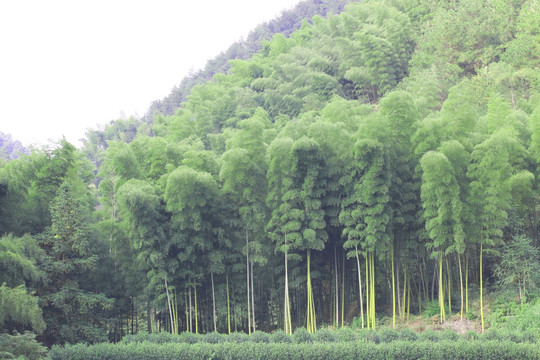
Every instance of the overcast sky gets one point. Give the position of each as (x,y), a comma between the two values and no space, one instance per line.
(66,66)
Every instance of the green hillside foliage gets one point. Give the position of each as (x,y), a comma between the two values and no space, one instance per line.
(376,168)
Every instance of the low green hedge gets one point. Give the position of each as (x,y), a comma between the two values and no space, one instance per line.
(340,335)
(405,350)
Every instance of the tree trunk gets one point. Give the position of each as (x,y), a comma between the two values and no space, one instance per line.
(368,292)
(360,287)
(393,291)
(460,285)
(213,301)
(441,289)
(148,317)
(481,288)
(196,311)
(343,292)
(252,297)
(336,307)
(287,323)
(404,293)
(310,321)
(449,277)
(190,312)
(372,262)
(466,283)
(169,303)
(228,305)
(247,280)
(398,287)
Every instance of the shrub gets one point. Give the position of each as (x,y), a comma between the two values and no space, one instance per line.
(21,345)
(471,335)
(449,335)
(259,337)
(156,338)
(428,335)
(301,336)
(325,335)
(432,308)
(368,336)
(237,337)
(407,334)
(279,337)
(491,334)
(345,335)
(388,335)
(213,338)
(461,349)
(189,338)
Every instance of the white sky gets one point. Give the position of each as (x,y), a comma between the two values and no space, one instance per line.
(66,66)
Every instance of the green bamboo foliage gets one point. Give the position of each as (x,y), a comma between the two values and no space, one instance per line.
(492,164)
(365,212)
(442,211)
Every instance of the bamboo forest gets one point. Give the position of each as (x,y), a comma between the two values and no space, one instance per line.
(359,176)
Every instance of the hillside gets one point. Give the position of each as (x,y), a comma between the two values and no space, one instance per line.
(288,22)
(377,167)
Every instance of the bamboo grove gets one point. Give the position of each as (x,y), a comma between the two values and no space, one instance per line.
(357,169)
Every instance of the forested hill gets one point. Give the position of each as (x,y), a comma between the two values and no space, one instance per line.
(288,22)
(373,165)
(10,148)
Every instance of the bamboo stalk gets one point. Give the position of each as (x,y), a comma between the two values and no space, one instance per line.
(393,291)
(169,303)
(481,289)
(228,304)
(360,286)
(460,285)
(196,313)
(368,293)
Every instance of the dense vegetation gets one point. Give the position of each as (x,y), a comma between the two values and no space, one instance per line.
(389,344)
(371,166)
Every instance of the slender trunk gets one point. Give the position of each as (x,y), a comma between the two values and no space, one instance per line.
(169,303)
(247,281)
(404,293)
(190,312)
(520,295)
(186,310)
(228,304)
(449,277)
(441,289)
(398,288)
(336,307)
(343,291)
(393,291)
(421,287)
(132,315)
(466,283)
(213,300)
(433,281)
(311,320)
(155,323)
(252,297)
(175,312)
(360,287)
(460,285)
(148,317)
(287,305)
(368,292)
(408,299)
(481,288)
(373,289)
(196,312)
